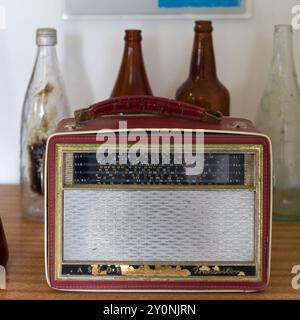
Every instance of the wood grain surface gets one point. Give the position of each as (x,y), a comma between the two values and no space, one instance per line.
(26,276)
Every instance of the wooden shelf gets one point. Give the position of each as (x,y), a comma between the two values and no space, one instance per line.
(26,276)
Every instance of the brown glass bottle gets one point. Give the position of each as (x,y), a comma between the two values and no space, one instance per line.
(132,78)
(3,247)
(203,87)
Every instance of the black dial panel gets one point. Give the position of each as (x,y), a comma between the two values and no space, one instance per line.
(219,169)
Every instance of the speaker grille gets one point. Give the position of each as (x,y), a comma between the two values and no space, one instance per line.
(159,225)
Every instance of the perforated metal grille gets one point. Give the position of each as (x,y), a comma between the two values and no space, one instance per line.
(142,226)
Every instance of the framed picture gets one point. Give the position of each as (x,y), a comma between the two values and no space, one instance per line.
(164,9)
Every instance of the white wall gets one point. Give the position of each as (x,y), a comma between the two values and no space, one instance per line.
(90,54)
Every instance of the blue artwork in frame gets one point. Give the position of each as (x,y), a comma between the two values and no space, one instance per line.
(199,3)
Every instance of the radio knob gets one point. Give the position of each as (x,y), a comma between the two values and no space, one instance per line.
(238,125)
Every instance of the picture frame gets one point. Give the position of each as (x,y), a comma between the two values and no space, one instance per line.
(157,9)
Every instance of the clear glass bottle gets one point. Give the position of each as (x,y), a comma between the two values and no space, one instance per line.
(44,106)
(279,117)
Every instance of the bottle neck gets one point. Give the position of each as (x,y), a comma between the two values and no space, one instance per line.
(283,64)
(133,62)
(132,78)
(203,64)
(46,63)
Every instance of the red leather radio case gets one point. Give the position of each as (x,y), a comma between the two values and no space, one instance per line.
(218,241)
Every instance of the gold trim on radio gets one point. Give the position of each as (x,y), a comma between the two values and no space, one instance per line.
(63,169)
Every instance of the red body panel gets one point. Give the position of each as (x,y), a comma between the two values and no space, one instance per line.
(158,285)
(157,122)
(227,131)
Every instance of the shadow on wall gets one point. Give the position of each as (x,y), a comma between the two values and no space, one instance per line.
(76,76)
(252,87)
(152,61)
(11,105)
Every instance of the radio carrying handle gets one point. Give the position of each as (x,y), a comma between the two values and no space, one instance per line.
(132,105)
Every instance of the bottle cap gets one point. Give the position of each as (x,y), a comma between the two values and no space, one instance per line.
(203,26)
(46,37)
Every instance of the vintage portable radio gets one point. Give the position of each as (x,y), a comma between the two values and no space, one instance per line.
(148,224)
